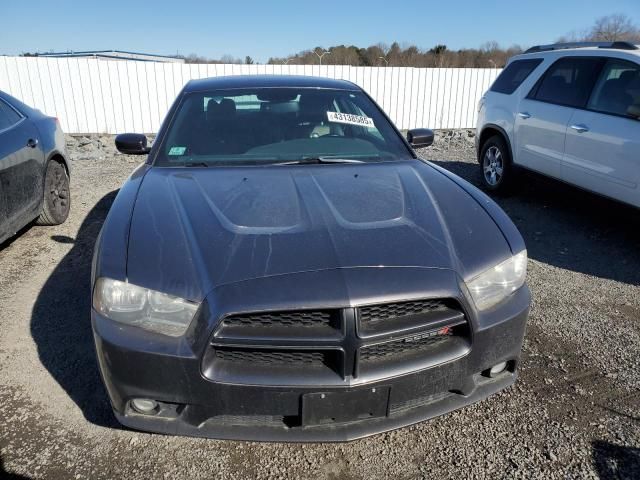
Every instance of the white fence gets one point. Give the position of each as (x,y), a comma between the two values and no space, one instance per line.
(97,96)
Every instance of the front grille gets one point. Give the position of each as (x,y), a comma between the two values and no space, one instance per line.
(287,319)
(327,346)
(405,346)
(271,356)
(389,311)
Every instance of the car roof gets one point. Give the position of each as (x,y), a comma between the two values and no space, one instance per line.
(268,81)
(597,50)
(614,49)
(24,109)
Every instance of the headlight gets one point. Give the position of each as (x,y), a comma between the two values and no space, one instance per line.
(495,284)
(155,311)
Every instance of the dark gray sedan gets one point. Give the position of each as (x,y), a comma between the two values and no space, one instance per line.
(34,172)
(284,267)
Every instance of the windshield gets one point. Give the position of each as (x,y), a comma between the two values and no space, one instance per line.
(277,125)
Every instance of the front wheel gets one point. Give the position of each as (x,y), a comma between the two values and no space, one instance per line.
(495,163)
(57,199)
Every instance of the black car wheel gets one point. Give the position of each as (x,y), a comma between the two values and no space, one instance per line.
(57,200)
(495,164)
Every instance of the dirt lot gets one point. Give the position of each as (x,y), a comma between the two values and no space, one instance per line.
(574,413)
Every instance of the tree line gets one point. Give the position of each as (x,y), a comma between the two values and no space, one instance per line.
(617,27)
(490,55)
(610,28)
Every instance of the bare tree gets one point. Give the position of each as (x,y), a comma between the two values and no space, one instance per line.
(612,28)
(230,59)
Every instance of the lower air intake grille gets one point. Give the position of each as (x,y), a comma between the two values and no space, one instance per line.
(420,401)
(291,358)
(249,420)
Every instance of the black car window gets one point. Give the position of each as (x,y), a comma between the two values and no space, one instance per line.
(568,81)
(274,125)
(617,89)
(8,116)
(514,74)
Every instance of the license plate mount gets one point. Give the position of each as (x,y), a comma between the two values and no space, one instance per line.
(322,408)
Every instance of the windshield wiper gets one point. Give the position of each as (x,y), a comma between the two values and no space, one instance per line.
(196,164)
(318,160)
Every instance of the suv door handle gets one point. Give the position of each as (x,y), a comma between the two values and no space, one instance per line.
(524,115)
(580,128)
(32,142)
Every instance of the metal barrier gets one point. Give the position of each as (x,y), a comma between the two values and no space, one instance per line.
(99,96)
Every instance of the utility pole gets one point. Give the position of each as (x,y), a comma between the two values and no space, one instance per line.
(324,52)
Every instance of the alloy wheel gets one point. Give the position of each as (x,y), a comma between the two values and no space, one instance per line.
(493,166)
(59,191)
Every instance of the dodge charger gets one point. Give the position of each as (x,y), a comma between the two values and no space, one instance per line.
(283,266)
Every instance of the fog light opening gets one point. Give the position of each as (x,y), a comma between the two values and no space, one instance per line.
(497,369)
(144,406)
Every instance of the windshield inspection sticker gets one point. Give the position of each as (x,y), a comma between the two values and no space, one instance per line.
(350,119)
(177,150)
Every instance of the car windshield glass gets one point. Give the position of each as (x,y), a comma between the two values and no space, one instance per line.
(278,125)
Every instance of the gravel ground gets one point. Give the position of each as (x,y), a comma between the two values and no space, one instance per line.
(574,413)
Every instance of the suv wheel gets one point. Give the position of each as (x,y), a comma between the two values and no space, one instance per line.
(495,164)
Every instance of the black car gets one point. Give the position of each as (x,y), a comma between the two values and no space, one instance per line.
(284,267)
(34,172)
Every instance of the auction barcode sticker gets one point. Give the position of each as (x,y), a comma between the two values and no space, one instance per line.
(350,119)
(177,150)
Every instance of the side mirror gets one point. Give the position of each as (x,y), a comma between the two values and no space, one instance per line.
(420,137)
(132,144)
(634,111)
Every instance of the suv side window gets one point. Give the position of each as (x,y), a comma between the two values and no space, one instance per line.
(8,116)
(568,81)
(515,73)
(617,88)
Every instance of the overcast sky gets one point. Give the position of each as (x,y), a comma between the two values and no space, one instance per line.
(266,28)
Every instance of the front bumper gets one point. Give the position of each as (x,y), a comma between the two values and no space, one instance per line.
(137,364)
(274,427)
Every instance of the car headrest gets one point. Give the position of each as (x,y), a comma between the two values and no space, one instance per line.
(314,103)
(213,108)
(627,76)
(227,108)
(634,83)
(558,81)
(610,85)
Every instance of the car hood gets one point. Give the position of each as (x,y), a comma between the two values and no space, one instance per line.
(195,229)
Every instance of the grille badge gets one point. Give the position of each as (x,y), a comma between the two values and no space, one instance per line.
(433,333)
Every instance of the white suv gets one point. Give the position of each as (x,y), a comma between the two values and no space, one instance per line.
(569,111)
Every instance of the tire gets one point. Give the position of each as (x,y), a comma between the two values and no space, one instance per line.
(496,168)
(57,199)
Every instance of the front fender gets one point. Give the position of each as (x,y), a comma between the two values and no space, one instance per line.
(110,251)
(501,219)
